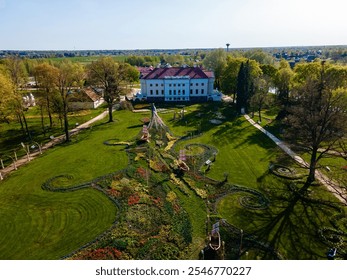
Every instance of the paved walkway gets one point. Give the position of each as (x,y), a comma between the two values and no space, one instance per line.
(334,188)
(24,160)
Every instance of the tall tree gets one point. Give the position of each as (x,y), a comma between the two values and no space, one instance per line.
(261,95)
(112,77)
(282,81)
(6,97)
(318,116)
(46,76)
(229,76)
(248,72)
(216,61)
(17,73)
(70,76)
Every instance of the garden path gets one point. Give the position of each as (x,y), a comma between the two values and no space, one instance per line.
(57,140)
(332,186)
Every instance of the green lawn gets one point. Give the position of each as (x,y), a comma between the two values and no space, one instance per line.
(38,224)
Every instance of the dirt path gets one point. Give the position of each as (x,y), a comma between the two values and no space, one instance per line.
(25,159)
(334,188)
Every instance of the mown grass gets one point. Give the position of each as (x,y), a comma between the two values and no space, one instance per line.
(38,224)
(65,221)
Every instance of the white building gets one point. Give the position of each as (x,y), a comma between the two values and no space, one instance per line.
(175,84)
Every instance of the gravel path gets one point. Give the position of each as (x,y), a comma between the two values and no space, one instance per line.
(24,160)
(334,188)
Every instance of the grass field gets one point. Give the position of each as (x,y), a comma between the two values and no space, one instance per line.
(38,224)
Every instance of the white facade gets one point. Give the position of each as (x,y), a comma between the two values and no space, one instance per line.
(184,84)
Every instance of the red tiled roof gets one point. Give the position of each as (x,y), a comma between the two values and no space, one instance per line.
(192,72)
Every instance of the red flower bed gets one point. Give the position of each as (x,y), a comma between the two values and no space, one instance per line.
(113,192)
(142,172)
(133,199)
(107,253)
(156,201)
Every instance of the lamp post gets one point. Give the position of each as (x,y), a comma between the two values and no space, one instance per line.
(26,149)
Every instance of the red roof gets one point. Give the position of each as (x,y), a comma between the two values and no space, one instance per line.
(192,72)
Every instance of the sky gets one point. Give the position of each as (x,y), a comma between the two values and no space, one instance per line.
(175,24)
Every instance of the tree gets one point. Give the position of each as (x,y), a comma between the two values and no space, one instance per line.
(245,83)
(216,61)
(16,71)
(282,81)
(261,96)
(69,77)
(46,76)
(317,119)
(6,97)
(229,76)
(112,77)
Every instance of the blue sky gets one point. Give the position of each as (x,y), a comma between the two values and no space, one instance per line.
(161,24)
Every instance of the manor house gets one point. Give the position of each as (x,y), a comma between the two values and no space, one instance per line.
(177,84)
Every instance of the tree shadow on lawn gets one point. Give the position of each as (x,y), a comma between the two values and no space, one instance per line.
(292,223)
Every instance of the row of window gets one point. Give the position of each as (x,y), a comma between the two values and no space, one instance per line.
(178,98)
(174,85)
(178,92)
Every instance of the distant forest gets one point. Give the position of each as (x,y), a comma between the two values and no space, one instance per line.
(191,56)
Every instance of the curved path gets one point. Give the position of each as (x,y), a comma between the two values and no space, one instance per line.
(334,188)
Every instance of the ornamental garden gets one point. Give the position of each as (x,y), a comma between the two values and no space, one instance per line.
(154,186)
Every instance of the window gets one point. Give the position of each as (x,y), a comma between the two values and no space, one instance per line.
(197,91)
(183,91)
(151,85)
(196,84)
(191,85)
(170,85)
(151,92)
(202,91)
(174,92)
(191,91)
(162,92)
(179,91)
(156,85)
(157,92)
(170,92)
(174,85)
(202,84)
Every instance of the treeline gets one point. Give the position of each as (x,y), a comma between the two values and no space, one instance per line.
(57,81)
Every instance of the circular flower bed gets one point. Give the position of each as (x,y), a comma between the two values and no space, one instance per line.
(255,201)
(285,172)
